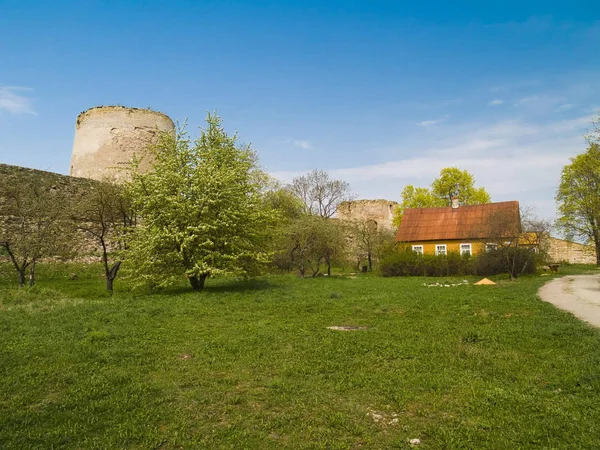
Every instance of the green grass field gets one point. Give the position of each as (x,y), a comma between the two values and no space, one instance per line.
(252,365)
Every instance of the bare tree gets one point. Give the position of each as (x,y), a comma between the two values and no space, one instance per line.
(32,225)
(104,212)
(516,241)
(535,231)
(320,194)
(368,240)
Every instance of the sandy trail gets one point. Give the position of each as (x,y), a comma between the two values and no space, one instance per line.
(579,294)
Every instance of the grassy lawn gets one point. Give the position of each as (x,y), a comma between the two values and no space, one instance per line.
(252,365)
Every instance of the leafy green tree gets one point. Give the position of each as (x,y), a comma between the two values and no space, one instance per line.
(452,183)
(202,210)
(578,198)
(312,241)
(460,184)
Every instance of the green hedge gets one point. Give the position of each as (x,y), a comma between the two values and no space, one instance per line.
(408,263)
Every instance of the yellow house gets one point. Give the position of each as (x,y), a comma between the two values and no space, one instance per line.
(459,228)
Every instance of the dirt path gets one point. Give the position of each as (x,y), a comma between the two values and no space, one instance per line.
(579,294)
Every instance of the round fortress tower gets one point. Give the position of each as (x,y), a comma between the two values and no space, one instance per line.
(107,137)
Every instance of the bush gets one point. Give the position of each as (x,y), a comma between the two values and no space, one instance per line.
(510,260)
(409,263)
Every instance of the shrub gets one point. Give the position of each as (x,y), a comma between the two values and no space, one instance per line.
(409,263)
(510,260)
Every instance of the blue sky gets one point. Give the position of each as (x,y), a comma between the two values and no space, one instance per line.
(378,93)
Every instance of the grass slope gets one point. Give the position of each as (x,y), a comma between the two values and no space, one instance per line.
(252,365)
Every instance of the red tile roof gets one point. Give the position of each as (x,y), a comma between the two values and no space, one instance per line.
(464,222)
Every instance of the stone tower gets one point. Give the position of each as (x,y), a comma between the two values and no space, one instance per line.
(107,137)
(379,211)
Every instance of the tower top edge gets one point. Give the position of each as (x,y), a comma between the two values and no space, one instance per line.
(111,108)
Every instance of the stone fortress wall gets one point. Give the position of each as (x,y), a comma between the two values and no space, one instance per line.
(560,250)
(380,211)
(107,137)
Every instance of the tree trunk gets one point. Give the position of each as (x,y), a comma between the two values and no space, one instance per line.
(198,282)
(32,273)
(370,259)
(20,268)
(598,253)
(302,270)
(111,274)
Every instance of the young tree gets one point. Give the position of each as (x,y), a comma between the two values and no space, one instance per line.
(578,198)
(104,213)
(312,241)
(320,195)
(516,239)
(202,210)
(369,240)
(32,225)
(452,183)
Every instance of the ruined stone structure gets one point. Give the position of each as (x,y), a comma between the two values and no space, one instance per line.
(107,137)
(379,211)
(560,250)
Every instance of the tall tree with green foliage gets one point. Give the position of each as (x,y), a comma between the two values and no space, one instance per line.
(578,197)
(202,210)
(452,183)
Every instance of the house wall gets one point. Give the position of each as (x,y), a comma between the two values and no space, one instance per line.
(451,246)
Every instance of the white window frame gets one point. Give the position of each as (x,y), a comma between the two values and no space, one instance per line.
(470,251)
(438,250)
(489,246)
(417,249)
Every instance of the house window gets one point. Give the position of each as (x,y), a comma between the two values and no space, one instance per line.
(440,249)
(491,246)
(417,249)
(466,249)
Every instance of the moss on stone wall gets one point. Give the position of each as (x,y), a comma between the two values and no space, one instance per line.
(49,181)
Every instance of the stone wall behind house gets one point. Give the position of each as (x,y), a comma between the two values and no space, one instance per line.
(560,250)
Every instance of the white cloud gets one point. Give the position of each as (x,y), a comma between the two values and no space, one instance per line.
(527,100)
(495,102)
(540,103)
(302,144)
(13,100)
(427,123)
(564,107)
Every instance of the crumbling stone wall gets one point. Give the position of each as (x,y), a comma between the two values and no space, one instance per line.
(107,137)
(560,250)
(69,189)
(380,211)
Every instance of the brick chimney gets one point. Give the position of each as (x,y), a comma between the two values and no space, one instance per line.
(454,202)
